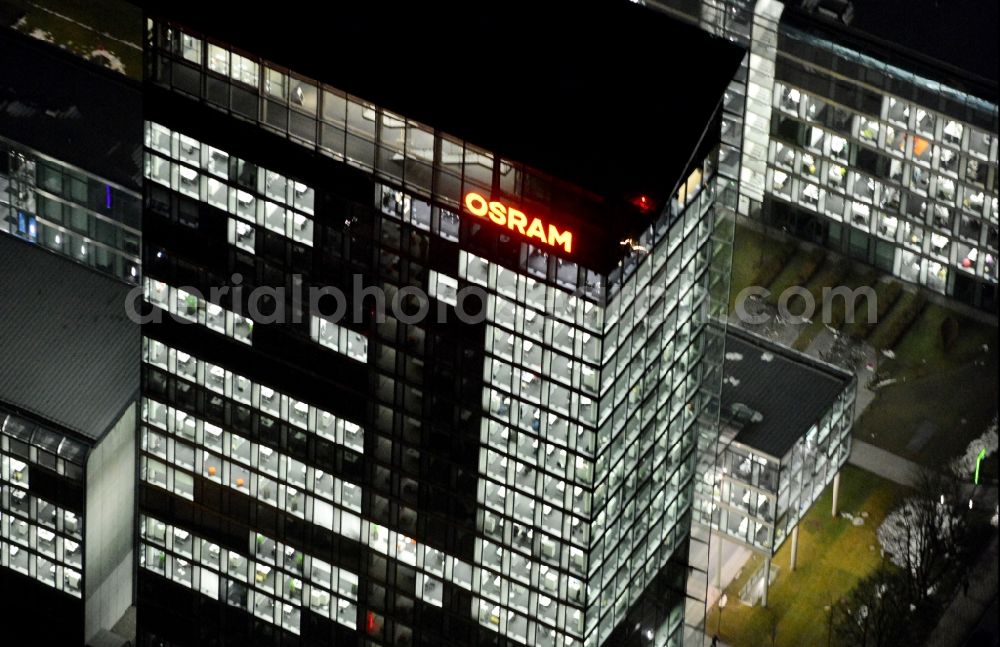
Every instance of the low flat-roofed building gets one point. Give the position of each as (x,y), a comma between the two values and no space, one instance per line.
(69,380)
(786,422)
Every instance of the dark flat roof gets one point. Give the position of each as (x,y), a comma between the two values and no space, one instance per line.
(610,95)
(962,33)
(951,42)
(70,355)
(69,109)
(791,390)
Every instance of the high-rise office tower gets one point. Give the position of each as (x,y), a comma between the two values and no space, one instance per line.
(508,461)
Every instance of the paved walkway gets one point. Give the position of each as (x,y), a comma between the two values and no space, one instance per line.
(735,558)
(886,464)
(774,329)
(966,611)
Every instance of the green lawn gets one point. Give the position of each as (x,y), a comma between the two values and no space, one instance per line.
(834,273)
(937,389)
(801,267)
(757,259)
(900,317)
(82,26)
(923,342)
(833,556)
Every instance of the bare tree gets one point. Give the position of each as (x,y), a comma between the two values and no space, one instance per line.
(927,540)
(936,529)
(876,613)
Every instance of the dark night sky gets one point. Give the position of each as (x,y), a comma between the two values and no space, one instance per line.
(960,32)
(611,96)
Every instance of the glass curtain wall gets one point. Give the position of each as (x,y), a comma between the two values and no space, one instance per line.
(70,212)
(39,538)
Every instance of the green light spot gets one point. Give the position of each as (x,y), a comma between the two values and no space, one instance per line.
(979,459)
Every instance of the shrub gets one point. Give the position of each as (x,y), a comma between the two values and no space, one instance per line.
(888,298)
(831,274)
(838,306)
(886,294)
(890,331)
(800,276)
(769,268)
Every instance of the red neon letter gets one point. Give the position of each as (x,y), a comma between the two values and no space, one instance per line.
(476,204)
(498,213)
(535,230)
(516,220)
(561,238)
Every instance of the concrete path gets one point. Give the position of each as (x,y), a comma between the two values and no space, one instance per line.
(735,558)
(965,611)
(885,464)
(774,329)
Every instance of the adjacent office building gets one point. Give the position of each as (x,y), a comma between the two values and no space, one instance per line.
(70,147)
(68,392)
(396,477)
(864,139)
(874,141)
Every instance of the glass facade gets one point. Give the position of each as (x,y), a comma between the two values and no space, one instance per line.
(587,449)
(876,162)
(70,211)
(273,581)
(404,152)
(523,478)
(758,499)
(41,537)
(253,196)
(896,178)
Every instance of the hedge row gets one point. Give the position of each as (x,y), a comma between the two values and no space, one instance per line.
(838,307)
(888,333)
(772,264)
(803,272)
(886,295)
(832,274)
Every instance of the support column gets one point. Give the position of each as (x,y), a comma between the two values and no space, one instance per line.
(836,493)
(795,545)
(718,561)
(767,580)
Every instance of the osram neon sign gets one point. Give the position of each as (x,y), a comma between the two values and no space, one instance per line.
(517,220)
